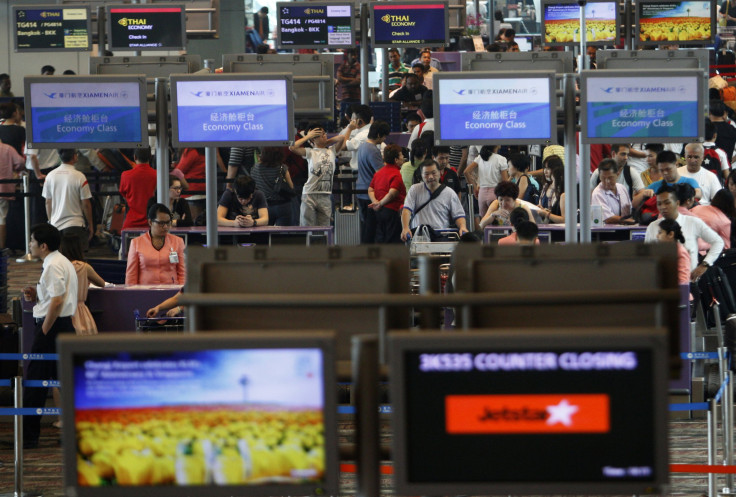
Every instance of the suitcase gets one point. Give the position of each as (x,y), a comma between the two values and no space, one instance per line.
(347,216)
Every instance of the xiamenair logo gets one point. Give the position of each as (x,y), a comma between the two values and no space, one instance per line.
(497,91)
(398,21)
(233,93)
(644,90)
(86,95)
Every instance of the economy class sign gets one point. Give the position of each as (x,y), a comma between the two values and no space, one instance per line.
(641,107)
(495,109)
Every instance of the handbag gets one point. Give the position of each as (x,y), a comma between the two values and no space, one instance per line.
(281,187)
(723,21)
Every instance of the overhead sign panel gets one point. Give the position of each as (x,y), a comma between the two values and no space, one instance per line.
(315,25)
(52,28)
(86,112)
(146,27)
(642,106)
(561,22)
(232,110)
(494,107)
(409,23)
(666,22)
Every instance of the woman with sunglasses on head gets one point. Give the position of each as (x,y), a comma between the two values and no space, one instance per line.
(156,257)
(181,214)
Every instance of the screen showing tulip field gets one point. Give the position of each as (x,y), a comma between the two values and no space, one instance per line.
(665,23)
(191,418)
(561,23)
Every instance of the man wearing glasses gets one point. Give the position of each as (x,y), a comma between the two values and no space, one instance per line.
(431,204)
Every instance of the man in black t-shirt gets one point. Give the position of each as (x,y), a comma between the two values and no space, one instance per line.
(11,132)
(411,93)
(729,12)
(725,132)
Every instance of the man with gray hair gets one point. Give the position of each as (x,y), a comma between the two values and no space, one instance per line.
(708,182)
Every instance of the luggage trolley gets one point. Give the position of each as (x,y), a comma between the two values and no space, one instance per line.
(159,324)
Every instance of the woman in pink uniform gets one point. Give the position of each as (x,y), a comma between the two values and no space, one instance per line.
(156,257)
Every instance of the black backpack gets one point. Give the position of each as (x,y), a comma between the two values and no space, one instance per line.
(532,192)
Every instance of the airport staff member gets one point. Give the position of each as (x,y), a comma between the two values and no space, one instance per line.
(56,301)
(431,203)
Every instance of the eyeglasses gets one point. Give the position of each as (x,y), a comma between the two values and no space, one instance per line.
(162,223)
(177,188)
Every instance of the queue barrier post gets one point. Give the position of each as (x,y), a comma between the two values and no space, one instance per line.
(728,407)
(18,436)
(712,440)
(27,221)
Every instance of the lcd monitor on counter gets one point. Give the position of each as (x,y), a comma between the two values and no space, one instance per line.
(680,22)
(86,111)
(138,27)
(232,110)
(664,106)
(529,412)
(52,28)
(409,23)
(314,25)
(250,414)
(561,23)
(500,107)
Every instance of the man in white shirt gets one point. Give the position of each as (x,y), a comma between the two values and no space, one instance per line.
(708,182)
(613,197)
(56,301)
(68,197)
(357,132)
(693,228)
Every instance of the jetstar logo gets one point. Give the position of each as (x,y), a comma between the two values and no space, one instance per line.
(532,413)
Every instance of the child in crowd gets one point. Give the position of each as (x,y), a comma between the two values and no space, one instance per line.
(670,231)
(316,207)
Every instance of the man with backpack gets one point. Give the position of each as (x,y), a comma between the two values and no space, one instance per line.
(715,159)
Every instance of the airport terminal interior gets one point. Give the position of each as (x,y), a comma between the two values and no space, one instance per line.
(399,247)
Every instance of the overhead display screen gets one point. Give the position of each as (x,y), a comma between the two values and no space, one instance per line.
(197,419)
(139,27)
(554,414)
(232,110)
(314,25)
(561,23)
(688,22)
(86,111)
(52,28)
(494,107)
(642,106)
(409,23)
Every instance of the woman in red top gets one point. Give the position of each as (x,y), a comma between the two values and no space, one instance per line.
(192,164)
(156,257)
(387,193)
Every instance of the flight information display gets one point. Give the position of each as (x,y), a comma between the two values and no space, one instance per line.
(52,28)
(409,23)
(146,27)
(313,25)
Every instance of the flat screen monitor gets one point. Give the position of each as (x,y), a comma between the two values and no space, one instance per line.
(220,415)
(529,412)
(675,23)
(52,28)
(401,24)
(503,107)
(561,23)
(642,106)
(314,25)
(232,110)
(86,111)
(146,27)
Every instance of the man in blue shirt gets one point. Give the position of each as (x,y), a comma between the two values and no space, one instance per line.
(370,160)
(667,164)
